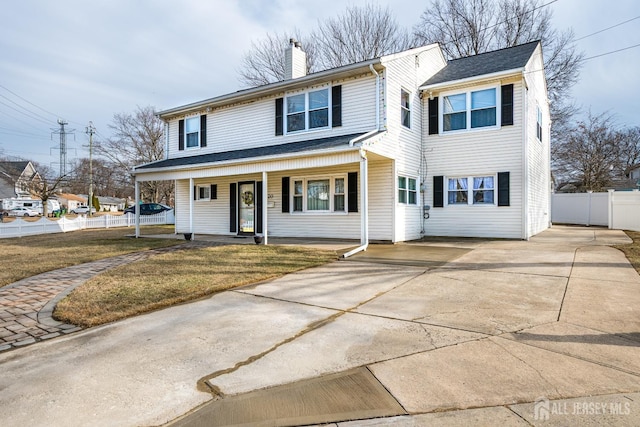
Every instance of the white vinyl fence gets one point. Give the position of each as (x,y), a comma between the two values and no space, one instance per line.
(618,210)
(20,227)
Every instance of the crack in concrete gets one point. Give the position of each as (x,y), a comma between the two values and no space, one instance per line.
(534,369)
(566,286)
(204,384)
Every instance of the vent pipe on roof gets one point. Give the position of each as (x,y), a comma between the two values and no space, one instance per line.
(295,60)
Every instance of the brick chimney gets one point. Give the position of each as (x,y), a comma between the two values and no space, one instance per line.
(295,61)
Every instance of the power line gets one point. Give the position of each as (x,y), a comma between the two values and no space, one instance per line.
(607,29)
(611,52)
(25,109)
(28,102)
(25,114)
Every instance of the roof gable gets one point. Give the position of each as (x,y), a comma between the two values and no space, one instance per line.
(511,58)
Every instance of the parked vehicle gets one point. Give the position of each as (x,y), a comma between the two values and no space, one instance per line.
(83,210)
(22,211)
(148,208)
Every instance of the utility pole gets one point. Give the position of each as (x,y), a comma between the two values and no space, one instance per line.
(63,145)
(90,130)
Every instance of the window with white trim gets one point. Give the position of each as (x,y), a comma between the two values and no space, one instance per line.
(206,192)
(192,132)
(476,190)
(308,110)
(470,110)
(407,190)
(319,194)
(405,108)
(538,123)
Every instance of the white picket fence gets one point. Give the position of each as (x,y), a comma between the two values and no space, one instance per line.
(619,210)
(20,227)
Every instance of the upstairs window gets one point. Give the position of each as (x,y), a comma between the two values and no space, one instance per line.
(470,110)
(538,123)
(405,108)
(192,132)
(309,110)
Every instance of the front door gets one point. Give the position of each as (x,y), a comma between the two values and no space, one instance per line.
(246,207)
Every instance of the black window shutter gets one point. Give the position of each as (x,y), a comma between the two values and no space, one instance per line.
(336,106)
(259,207)
(279,115)
(203,130)
(507,105)
(181,135)
(503,188)
(285,194)
(352,191)
(214,191)
(233,205)
(433,116)
(195,192)
(438,191)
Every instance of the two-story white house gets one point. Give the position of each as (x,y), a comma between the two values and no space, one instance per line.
(359,151)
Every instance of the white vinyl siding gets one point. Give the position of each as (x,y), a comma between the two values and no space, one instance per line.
(478,154)
(249,125)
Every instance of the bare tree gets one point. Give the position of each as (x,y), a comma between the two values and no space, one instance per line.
(470,27)
(359,34)
(47,185)
(590,157)
(264,63)
(137,139)
(108,179)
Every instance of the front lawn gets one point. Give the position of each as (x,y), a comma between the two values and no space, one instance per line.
(180,276)
(30,255)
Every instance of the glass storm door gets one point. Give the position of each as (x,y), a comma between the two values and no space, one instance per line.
(246,207)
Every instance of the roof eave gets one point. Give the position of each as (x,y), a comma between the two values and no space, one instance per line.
(247,94)
(497,74)
(247,160)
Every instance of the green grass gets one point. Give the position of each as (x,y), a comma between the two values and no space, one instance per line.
(27,256)
(632,251)
(180,276)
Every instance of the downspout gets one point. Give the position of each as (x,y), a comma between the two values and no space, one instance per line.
(525,161)
(364,197)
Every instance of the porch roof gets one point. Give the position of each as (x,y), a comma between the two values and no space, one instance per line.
(311,145)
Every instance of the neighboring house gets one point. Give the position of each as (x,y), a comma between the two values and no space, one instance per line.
(357,151)
(633,174)
(71,201)
(16,178)
(111,204)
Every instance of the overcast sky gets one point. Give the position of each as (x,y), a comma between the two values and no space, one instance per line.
(87,60)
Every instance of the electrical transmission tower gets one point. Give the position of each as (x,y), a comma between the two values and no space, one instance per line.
(63,144)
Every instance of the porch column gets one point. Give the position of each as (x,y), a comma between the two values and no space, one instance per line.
(364,197)
(137,208)
(265,205)
(191,197)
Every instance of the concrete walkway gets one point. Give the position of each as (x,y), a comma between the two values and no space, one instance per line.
(544,332)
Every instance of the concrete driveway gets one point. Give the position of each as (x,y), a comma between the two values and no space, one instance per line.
(495,332)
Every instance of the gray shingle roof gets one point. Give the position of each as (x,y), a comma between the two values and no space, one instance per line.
(510,58)
(249,153)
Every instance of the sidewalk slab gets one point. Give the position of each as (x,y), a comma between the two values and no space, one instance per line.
(143,370)
(494,372)
(493,416)
(348,395)
(603,262)
(483,301)
(586,344)
(338,285)
(603,305)
(349,341)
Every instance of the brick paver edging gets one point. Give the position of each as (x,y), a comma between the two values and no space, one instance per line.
(26,306)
